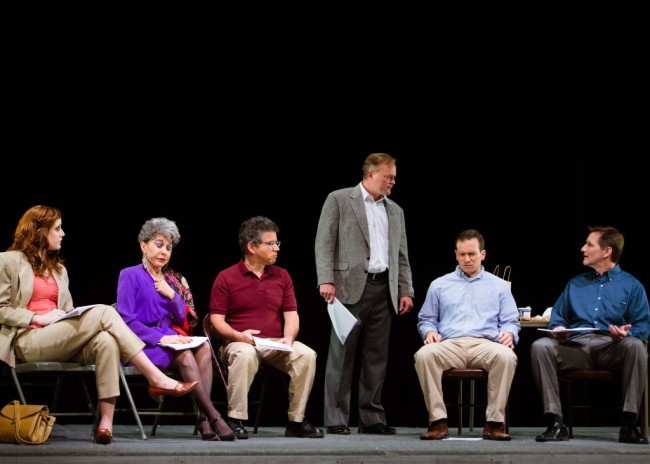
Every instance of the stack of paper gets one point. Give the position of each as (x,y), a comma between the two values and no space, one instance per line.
(266,344)
(78,311)
(196,341)
(577,329)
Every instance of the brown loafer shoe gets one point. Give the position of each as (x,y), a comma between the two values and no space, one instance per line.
(436,431)
(495,431)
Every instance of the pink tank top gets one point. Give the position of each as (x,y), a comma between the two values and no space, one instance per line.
(45,297)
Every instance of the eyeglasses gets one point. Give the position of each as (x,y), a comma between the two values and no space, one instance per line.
(389,178)
(272,243)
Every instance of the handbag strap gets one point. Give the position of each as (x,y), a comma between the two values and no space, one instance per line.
(506,272)
(19,439)
(17,422)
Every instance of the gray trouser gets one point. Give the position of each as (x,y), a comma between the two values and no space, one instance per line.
(628,356)
(370,339)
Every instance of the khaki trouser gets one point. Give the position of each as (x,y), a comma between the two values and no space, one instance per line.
(243,361)
(466,352)
(99,336)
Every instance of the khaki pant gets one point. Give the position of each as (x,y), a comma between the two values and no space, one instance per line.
(99,336)
(466,352)
(244,359)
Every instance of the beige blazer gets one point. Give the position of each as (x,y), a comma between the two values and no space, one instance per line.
(16,286)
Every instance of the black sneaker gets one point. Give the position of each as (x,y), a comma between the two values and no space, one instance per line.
(302,430)
(237,427)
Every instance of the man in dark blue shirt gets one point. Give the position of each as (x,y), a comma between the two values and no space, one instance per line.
(613,304)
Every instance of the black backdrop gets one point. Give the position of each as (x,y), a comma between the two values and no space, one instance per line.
(525,121)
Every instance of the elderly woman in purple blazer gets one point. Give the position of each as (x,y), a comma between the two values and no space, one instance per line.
(155,307)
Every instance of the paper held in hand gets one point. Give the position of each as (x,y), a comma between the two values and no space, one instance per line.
(342,320)
(266,344)
(78,311)
(196,341)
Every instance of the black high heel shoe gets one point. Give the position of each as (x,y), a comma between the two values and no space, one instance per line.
(207,436)
(223,435)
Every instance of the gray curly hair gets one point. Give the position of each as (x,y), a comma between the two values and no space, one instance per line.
(159,226)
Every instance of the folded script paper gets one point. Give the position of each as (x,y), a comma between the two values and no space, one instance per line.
(78,311)
(342,320)
(196,341)
(266,344)
(577,329)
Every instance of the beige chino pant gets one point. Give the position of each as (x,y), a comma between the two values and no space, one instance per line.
(466,352)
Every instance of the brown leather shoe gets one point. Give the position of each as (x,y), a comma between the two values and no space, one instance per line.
(437,431)
(495,431)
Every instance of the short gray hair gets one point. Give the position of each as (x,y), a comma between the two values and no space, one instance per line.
(159,226)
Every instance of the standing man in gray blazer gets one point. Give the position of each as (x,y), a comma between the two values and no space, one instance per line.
(362,260)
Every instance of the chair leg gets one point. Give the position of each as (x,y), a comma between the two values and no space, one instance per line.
(156,421)
(21,396)
(57,393)
(260,404)
(471,405)
(569,409)
(89,401)
(644,410)
(460,407)
(198,415)
(127,390)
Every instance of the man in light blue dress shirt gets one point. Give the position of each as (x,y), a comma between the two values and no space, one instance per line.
(469,319)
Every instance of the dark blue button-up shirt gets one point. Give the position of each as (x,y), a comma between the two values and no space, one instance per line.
(594,300)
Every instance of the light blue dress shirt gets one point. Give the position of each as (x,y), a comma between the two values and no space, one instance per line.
(459,306)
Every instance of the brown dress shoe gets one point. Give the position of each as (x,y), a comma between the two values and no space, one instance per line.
(495,431)
(436,431)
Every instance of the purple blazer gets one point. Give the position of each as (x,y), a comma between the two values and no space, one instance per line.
(149,314)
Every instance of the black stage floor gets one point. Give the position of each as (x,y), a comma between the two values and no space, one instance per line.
(175,444)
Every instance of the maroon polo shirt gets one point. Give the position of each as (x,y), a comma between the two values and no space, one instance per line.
(251,302)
